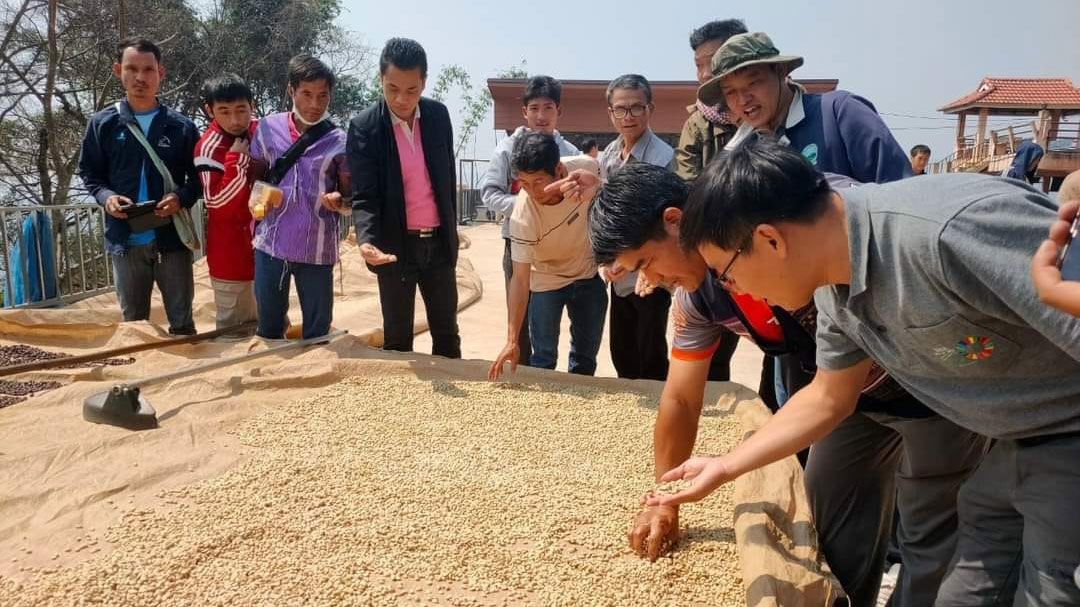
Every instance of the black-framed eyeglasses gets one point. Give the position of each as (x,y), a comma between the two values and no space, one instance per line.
(636,110)
(722,278)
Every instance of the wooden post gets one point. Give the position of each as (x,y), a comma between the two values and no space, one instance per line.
(980,133)
(1012,140)
(961,119)
(1055,122)
(1043,131)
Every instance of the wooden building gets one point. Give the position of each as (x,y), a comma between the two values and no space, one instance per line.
(1046,101)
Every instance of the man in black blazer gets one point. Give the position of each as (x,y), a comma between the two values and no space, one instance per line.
(401,156)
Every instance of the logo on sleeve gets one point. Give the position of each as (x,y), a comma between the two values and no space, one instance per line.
(810,153)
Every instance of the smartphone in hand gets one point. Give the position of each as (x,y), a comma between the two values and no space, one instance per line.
(1069,258)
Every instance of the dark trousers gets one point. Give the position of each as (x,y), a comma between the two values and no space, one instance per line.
(524,345)
(425,264)
(875,464)
(314,289)
(1019,539)
(638,335)
(136,272)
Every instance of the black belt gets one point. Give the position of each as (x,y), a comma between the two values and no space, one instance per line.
(424,232)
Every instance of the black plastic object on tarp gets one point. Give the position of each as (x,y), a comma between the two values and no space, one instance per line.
(121,406)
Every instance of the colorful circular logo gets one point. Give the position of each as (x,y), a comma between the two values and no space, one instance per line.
(975,348)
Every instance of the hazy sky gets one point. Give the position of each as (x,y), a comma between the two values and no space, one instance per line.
(906,57)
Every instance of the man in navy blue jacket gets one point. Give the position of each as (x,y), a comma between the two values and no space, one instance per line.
(118,172)
(838,132)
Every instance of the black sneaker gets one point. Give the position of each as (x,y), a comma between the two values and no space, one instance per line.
(185,331)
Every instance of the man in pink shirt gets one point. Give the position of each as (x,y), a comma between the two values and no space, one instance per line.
(401,156)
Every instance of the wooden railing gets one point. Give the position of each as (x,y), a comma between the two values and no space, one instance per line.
(996,150)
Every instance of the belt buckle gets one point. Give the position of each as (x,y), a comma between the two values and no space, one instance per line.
(427,233)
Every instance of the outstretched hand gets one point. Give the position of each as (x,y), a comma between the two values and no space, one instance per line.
(707,474)
(373,256)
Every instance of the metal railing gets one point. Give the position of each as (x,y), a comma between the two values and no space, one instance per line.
(73,265)
(470,208)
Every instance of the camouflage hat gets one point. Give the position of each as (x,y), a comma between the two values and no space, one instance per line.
(742,50)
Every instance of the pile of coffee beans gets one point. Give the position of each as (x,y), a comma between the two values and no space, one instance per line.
(20,354)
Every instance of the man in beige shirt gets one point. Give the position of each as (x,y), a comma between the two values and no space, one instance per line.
(552,258)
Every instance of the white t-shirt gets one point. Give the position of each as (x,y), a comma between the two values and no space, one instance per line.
(554,238)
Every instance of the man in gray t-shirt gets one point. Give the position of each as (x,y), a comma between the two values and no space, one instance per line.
(929,279)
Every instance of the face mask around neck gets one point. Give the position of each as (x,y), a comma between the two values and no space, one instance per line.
(301,120)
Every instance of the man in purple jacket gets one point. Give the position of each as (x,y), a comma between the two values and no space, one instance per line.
(299,238)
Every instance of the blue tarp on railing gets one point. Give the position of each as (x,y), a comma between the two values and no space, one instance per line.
(33,263)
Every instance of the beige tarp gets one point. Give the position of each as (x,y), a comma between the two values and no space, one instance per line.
(61,478)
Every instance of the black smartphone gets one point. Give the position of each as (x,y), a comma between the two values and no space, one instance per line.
(1069,259)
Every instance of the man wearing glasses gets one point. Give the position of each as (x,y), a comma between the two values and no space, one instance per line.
(638,333)
(892,450)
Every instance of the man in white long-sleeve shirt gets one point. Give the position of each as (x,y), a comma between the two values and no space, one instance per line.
(540,105)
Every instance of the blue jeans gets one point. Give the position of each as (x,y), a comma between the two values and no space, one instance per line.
(586,303)
(314,288)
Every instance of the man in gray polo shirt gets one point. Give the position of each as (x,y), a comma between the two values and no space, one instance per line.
(929,278)
(637,329)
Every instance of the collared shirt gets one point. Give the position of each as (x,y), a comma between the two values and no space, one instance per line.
(421,211)
(796,114)
(650,149)
(941,297)
(841,133)
(407,128)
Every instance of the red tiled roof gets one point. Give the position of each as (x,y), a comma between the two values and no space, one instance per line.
(1020,93)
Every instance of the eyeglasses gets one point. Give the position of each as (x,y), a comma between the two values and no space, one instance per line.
(637,111)
(722,278)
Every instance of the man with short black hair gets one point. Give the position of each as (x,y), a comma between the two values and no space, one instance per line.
(638,325)
(893,450)
(298,238)
(119,173)
(589,148)
(552,260)
(920,158)
(401,152)
(541,106)
(927,278)
(709,127)
(224,163)
(705,133)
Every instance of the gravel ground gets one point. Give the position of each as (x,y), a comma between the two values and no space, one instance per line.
(389,491)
